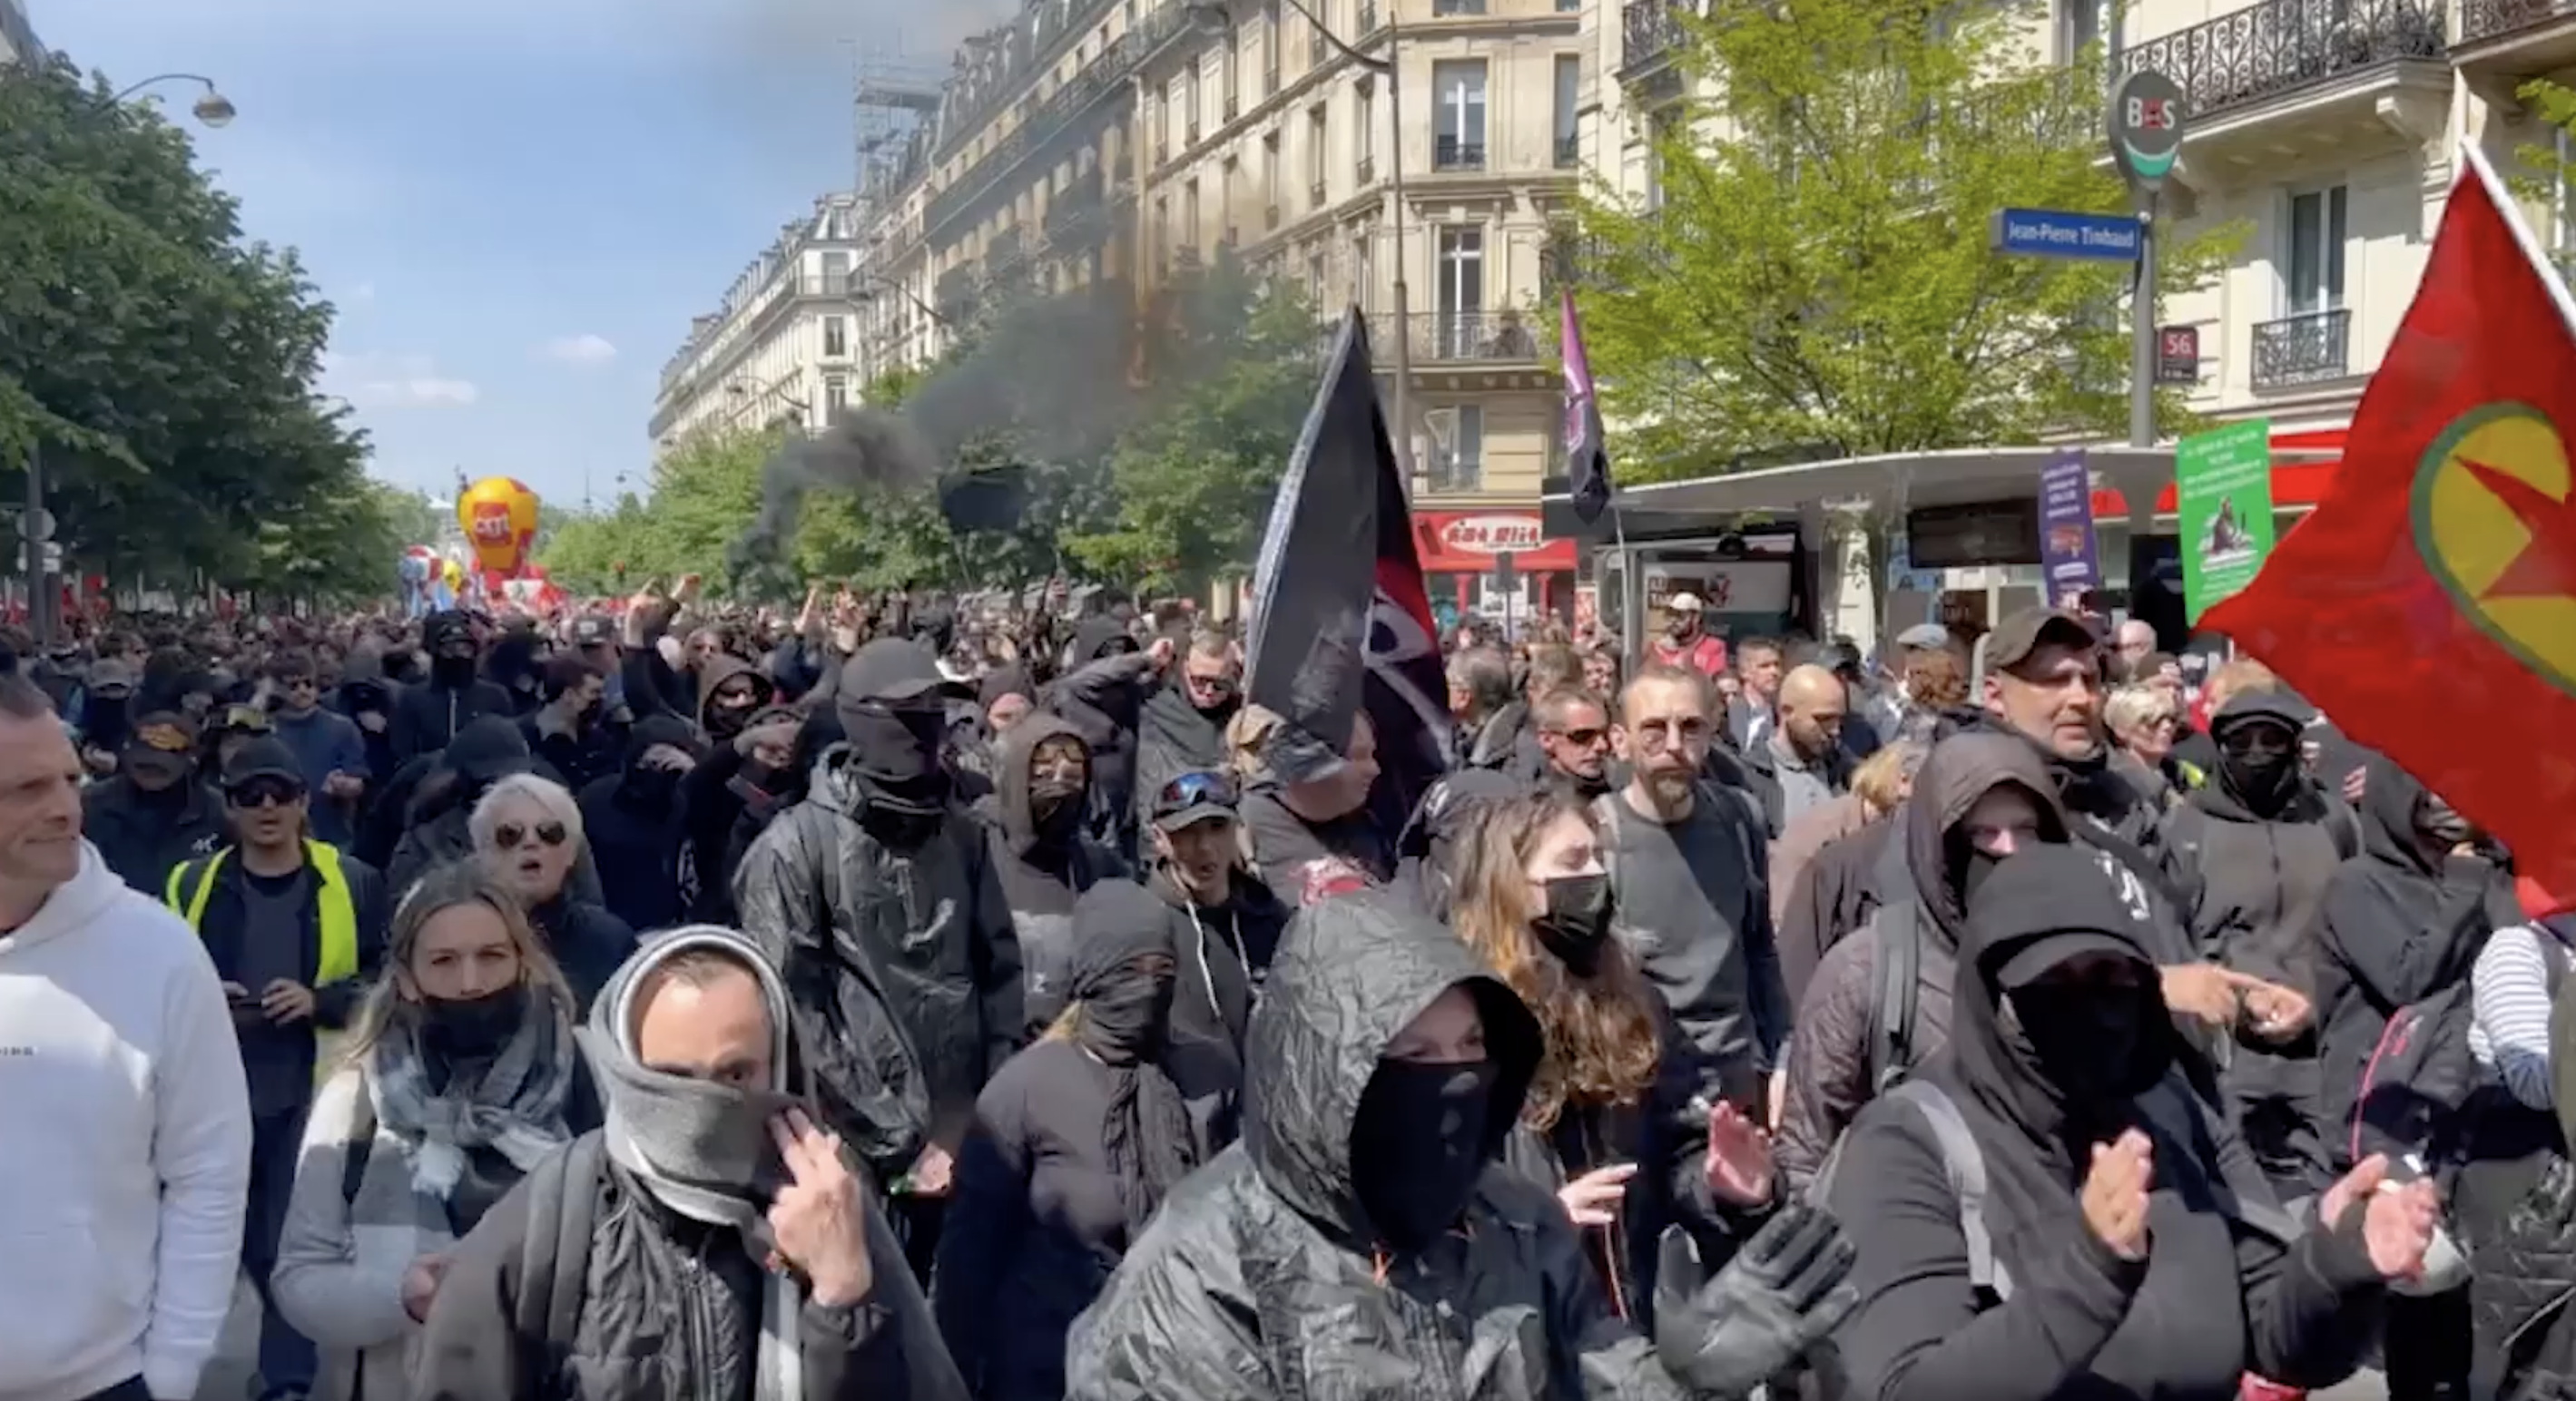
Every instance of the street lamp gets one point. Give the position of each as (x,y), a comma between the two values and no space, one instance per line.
(212,107)
(1212,19)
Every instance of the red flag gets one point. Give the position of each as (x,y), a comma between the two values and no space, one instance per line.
(2429,605)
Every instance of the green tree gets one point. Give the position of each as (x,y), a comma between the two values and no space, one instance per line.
(1817,274)
(164,368)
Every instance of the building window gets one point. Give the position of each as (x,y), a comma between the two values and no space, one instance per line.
(1659,129)
(1364,131)
(1363,272)
(1457,447)
(1229,193)
(1461,7)
(1272,177)
(1315,276)
(1233,73)
(2315,256)
(2079,23)
(1458,100)
(1458,292)
(1569,94)
(836,397)
(1191,229)
(836,274)
(1317,142)
(836,338)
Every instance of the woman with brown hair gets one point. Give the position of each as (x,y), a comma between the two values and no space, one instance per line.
(1610,1120)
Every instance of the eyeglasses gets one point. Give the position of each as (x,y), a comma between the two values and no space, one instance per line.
(510,836)
(265,792)
(1199,786)
(1583,738)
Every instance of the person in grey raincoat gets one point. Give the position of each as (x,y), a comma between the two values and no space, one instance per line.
(1363,1241)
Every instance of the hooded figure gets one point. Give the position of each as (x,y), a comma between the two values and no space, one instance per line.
(1363,1239)
(368,700)
(677,1189)
(427,716)
(1076,1143)
(436,828)
(1842,1048)
(881,904)
(729,691)
(1102,695)
(156,812)
(637,821)
(1042,785)
(2061,1045)
(512,665)
(2405,919)
(104,719)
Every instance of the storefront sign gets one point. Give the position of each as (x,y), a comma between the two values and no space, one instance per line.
(1743,586)
(1489,535)
(1465,542)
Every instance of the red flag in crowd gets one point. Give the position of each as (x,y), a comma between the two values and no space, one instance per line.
(2429,605)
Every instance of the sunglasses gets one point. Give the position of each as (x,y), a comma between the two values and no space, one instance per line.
(1586,737)
(265,792)
(1201,786)
(510,836)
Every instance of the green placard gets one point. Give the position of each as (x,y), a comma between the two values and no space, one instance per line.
(2223,493)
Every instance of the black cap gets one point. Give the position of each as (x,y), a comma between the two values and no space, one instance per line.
(2025,632)
(593,631)
(263,758)
(2248,707)
(890,669)
(2047,904)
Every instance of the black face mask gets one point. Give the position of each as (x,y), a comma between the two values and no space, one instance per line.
(473,1028)
(2096,1044)
(1575,921)
(1972,864)
(895,754)
(1055,808)
(451,673)
(653,786)
(1418,1146)
(2438,820)
(1127,1015)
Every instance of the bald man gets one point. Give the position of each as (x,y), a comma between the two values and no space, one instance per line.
(2134,640)
(1801,763)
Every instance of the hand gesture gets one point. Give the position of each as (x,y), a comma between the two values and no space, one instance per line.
(2203,991)
(1781,1293)
(286,1000)
(773,744)
(2276,1013)
(343,785)
(372,721)
(1160,653)
(2397,1221)
(420,1285)
(1739,1157)
(930,1172)
(1593,1199)
(2115,1194)
(817,1218)
(686,589)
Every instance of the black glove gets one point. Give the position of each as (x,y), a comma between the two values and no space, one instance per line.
(1781,1293)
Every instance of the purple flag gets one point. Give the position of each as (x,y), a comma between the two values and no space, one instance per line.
(1587,459)
(2066,557)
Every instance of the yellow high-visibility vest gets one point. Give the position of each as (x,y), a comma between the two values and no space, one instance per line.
(339,960)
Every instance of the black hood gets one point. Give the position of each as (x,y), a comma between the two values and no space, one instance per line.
(2389,800)
(488,749)
(1095,639)
(512,662)
(1352,972)
(1959,771)
(1011,757)
(654,730)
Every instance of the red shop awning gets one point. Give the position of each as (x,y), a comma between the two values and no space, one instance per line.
(1465,542)
(2294,483)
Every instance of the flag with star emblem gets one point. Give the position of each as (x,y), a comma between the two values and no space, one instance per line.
(2429,604)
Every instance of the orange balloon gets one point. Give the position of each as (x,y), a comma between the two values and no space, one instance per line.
(499,517)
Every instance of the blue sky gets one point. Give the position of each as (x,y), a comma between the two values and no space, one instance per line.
(516,207)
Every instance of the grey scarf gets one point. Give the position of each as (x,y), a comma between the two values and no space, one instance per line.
(703,1150)
(515,1105)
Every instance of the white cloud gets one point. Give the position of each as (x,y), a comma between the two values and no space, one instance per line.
(374,380)
(584,349)
(359,294)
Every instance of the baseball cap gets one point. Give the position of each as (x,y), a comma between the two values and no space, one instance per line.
(1684,602)
(110,672)
(1194,797)
(593,631)
(262,758)
(890,669)
(167,731)
(2025,632)
(1924,637)
(2050,904)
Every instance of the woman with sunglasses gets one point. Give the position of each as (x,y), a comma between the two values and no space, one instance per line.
(462,1075)
(527,833)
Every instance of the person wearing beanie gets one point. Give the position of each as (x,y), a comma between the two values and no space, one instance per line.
(156,812)
(295,930)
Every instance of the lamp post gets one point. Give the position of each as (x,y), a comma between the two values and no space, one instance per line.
(211,107)
(1212,18)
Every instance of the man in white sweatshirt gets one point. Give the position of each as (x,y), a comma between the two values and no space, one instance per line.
(124,1125)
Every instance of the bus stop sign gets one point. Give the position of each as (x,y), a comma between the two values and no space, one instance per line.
(2146,129)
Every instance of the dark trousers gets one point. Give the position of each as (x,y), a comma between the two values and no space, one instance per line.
(285,1356)
(130,1389)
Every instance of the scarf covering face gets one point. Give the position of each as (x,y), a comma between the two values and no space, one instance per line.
(515,1105)
(702,1149)
(1126,1022)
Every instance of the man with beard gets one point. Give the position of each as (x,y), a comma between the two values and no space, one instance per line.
(155,813)
(1183,727)
(637,823)
(1686,642)
(1800,762)
(879,901)
(1574,735)
(427,716)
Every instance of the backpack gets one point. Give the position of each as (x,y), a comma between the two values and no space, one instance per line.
(2420,1073)
(1897,971)
(1962,1163)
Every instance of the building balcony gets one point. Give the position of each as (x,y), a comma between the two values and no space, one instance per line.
(1569,152)
(1496,338)
(2502,42)
(1078,216)
(957,293)
(2297,350)
(1649,32)
(1102,82)
(1450,153)
(2288,63)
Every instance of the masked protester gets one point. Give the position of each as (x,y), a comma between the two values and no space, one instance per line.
(2127,1243)
(880,901)
(461,1075)
(1077,1142)
(104,721)
(1039,848)
(1387,1068)
(638,823)
(156,812)
(1102,695)
(730,690)
(750,1260)
(1608,1119)
(428,715)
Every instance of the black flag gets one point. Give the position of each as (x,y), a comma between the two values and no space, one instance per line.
(1340,618)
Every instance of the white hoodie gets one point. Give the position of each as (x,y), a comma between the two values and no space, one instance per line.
(124,1147)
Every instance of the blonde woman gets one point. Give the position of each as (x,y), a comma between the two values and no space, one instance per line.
(2143,721)
(528,834)
(461,1075)
(1610,1117)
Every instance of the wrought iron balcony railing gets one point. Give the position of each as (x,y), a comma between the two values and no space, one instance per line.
(1649,30)
(2494,19)
(1450,153)
(2277,47)
(1452,337)
(1104,79)
(1075,216)
(2303,349)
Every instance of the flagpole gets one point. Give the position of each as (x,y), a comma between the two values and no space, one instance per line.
(2522,234)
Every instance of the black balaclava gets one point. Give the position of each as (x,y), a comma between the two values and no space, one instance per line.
(2441,823)
(472,1028)
(894,754)
(105,720)
(1056,802)
(1575,921)
(1119,928)
(436,634)
(653,788)
(1418,1144)
(2263,785)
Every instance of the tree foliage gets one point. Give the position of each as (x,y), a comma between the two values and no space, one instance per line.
(1817,276)
(164,368)
(2552,104)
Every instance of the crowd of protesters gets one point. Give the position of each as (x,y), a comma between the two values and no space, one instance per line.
(955,998)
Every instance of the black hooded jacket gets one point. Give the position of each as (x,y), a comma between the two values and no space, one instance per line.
(636,820)
(1042,873)
(2401,924)
(1259,1279)
(1225,953)
(144,836)
(2218,1295)
(1102,695)
(430,714)
(1175,737)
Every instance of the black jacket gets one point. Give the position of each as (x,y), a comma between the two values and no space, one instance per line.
(1225,955)
(1258,1279)
(1102,695)
(588,943)
(427,716)
(278,1059)
(1174,737)
(143,837)
(1041,875)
